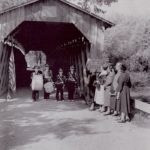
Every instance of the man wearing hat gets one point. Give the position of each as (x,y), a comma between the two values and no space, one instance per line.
(60,83)
(71,82)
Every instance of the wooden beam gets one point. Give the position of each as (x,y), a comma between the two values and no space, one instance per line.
(80,71)
(83,63)
(3,75)
(76,62)
(88,50)
(145,107)
(77,67)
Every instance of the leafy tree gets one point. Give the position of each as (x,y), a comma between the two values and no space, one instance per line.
(130,41)
(4,4)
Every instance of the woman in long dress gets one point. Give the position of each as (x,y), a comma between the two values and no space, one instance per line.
(123,94)
(107,87)
(113,99)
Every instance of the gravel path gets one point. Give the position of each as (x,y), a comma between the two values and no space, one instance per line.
(51,125)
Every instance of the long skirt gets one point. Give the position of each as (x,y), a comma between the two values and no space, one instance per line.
(99,95)
(107,97)
(114,103)
(125,103)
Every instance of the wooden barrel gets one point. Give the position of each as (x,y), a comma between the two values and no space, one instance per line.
(49,87)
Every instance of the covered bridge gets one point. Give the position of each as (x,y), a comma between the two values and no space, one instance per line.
(66,33)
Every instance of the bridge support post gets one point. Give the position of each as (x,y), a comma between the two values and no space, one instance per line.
(88,50)
(80,71)
(4,62)
(83,61)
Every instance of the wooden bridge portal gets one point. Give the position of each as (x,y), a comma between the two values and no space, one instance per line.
(62,30)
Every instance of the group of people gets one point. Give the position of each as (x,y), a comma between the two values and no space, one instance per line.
(50,83)
(110,90)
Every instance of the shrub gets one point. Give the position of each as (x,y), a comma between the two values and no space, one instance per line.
(140,79)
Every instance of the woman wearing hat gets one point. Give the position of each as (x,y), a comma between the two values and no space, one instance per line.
(71,82)
(60,83)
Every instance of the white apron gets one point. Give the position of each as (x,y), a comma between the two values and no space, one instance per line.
(37,82)
(99,95)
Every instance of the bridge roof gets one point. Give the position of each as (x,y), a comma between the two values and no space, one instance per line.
(63,1)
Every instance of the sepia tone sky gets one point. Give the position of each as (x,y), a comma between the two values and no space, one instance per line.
(130,7)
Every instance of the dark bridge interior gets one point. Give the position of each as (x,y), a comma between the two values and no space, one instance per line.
(59,41)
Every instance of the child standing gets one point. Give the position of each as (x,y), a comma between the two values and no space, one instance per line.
(60,83)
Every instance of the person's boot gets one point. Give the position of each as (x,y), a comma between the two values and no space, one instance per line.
(123,119)
(102,109)
(62,98)
(57,98)
(108,112)
(115,113)
(91,107)
(36,96)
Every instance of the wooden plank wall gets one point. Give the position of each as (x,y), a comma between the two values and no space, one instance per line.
(56,11)
(8,22)
(4,56)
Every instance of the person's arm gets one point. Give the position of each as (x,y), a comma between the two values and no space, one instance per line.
(68,75)
(51,74)
(129,83)
(120,86)
(65,79)
(56,79)
(32,75)
(109,81)
(76,77)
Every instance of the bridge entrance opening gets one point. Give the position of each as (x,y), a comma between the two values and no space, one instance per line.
(63,44)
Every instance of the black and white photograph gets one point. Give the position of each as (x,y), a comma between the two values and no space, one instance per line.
(74,74)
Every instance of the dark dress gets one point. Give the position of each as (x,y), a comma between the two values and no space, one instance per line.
(124,85)
(91,87)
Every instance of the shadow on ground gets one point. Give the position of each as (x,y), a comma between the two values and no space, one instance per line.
(26,122)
